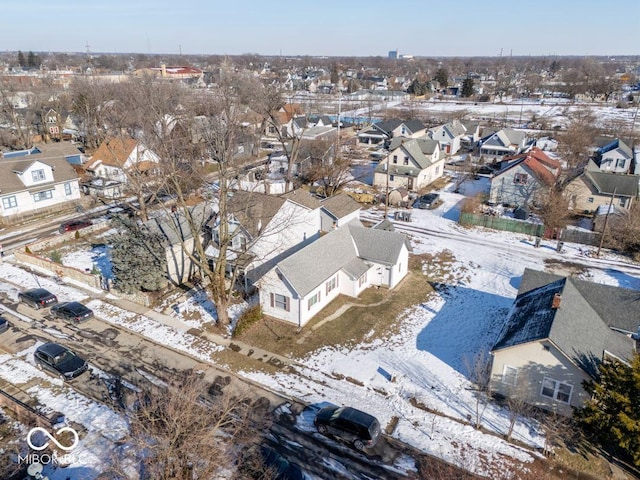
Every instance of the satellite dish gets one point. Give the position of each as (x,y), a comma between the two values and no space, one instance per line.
(35,469)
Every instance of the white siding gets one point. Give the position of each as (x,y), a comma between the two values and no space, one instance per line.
(25,201)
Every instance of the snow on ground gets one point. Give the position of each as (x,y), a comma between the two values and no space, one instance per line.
(429,362)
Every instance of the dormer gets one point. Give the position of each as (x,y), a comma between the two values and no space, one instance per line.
(35,173)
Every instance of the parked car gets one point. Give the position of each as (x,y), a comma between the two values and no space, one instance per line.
(72,311)
(4,324)
(349,425)
(60,361)
(428,201)
(74,225)
(38,298)
(258,459)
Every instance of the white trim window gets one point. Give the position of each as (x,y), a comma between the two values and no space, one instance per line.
(67,188)
(38,175)
(362,280)
(44,195)
(509,375)
(313,300)
(331,284)
(10,202)
(556,389)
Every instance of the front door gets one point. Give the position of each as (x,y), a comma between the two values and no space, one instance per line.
(410,183)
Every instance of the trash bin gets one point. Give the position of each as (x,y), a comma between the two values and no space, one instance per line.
(537,244)
(560,245)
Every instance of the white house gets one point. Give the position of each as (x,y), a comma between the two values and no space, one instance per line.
(114,161)
(385,131)
(413,163)
(503,143)
(345,261)
(36,180)
(614,156)
(449,136)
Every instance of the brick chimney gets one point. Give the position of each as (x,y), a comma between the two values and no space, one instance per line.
(555,303)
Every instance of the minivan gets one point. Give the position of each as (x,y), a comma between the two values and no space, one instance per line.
(348,424)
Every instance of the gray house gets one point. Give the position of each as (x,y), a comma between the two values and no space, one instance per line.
(558,330)
(503,143)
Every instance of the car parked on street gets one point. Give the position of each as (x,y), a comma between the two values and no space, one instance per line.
(74,225)
(38,298)
(428,201)
(349,425)
(72,311)
(60,361)
(4,324)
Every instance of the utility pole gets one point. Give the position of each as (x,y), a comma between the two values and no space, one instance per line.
(606,220)
(386,192)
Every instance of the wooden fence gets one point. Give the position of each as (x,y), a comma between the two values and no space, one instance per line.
(501,223)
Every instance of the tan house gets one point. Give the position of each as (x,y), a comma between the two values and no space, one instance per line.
(594,188)
(558,331)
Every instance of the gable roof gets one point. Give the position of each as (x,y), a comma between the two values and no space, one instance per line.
(421,150)
(113,151)
(576,326)
(254,210)
(389,126)
(340,205)
(176,227)
(347,248)
(302,198)
(605,183)
(52,155)
(505,138)
(537,162)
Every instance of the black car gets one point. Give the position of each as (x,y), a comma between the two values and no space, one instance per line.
(427,201)
(60,361)
(74,225)
(348,424)
(38,298)
(4,324)
(72,311)
(257,461)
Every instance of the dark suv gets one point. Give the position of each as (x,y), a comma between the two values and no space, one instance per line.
(60,361)
(348,424)
(428,201)
(74,225)
(72,311)
(38,298)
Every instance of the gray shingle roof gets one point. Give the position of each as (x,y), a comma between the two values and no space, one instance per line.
(580,327)
(347,248)
(340,205)
(303,198)
(606,183)
(52,155)
(254,210)
(179,226)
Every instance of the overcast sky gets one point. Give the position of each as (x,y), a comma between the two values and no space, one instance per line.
(325,27)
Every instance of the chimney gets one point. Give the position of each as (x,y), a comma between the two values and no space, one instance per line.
(557,298)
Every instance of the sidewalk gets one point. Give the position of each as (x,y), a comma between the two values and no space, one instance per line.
(235,345)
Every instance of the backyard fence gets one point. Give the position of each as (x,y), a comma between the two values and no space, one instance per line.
(581,236)
(501,223)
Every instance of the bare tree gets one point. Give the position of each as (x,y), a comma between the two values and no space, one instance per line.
(554,211)
(479,373)
(190,431)
(14,115)
(574,142)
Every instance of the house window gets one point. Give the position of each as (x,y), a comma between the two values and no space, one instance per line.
(395,159)
(280,301)
(40,196)
(331,284)
(404,131)
(313,300)
(52,120)
(509,375)
(620,163)
(9,202)
(406,161)
(557,390)
(67,188)
(362,280)
(590,199)
(38,175)
(520,178)
(391,178)
(623,202)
